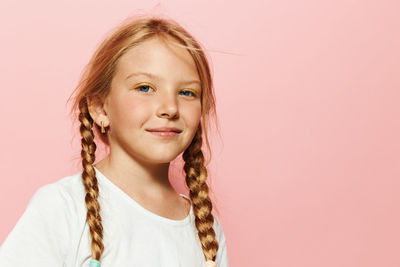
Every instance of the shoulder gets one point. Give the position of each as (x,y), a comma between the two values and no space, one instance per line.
(60,203)
(45,228)
(219,231)
(58,206)
(66,192)
(222,254)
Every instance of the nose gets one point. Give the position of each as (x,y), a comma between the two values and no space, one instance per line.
(168,107)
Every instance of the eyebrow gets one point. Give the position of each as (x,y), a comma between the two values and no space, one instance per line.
(152,76)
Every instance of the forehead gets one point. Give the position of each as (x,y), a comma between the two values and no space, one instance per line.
(159,57)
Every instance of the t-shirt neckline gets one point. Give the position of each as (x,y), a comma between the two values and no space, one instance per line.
(156,217)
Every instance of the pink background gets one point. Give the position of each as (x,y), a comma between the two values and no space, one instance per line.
(306,172)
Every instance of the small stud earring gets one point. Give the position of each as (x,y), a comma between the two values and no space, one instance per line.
(102,127)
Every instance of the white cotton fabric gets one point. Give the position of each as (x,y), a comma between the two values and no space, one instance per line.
(53,231)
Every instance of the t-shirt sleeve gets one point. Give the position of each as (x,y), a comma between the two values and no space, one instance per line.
(222,254)
(40,237)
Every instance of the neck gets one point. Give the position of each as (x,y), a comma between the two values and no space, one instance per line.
(146,179)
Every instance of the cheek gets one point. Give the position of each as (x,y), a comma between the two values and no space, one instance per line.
(192,114)
(130,111)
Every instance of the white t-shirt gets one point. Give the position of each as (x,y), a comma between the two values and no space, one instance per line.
(53,231)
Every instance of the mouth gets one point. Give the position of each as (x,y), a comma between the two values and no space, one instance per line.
(165,131)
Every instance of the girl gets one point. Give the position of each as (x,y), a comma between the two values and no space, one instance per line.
(147,92)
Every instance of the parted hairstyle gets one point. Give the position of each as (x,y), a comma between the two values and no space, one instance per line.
(95,83)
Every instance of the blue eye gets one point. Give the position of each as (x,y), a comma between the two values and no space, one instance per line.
(144,86)
(190,93)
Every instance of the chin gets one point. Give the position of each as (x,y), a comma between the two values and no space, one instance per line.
(160,160)
(162,157)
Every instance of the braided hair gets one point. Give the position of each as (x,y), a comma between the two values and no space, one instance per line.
(94,85)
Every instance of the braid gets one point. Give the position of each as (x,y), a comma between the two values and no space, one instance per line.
(90,181)
(196,175)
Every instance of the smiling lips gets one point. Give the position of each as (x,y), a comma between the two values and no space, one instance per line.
(165,131)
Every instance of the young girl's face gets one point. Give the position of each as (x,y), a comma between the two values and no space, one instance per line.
(155,85)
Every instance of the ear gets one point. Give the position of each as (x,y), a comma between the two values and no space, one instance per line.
(98,112)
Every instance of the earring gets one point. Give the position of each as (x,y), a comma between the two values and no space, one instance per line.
(102,127)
